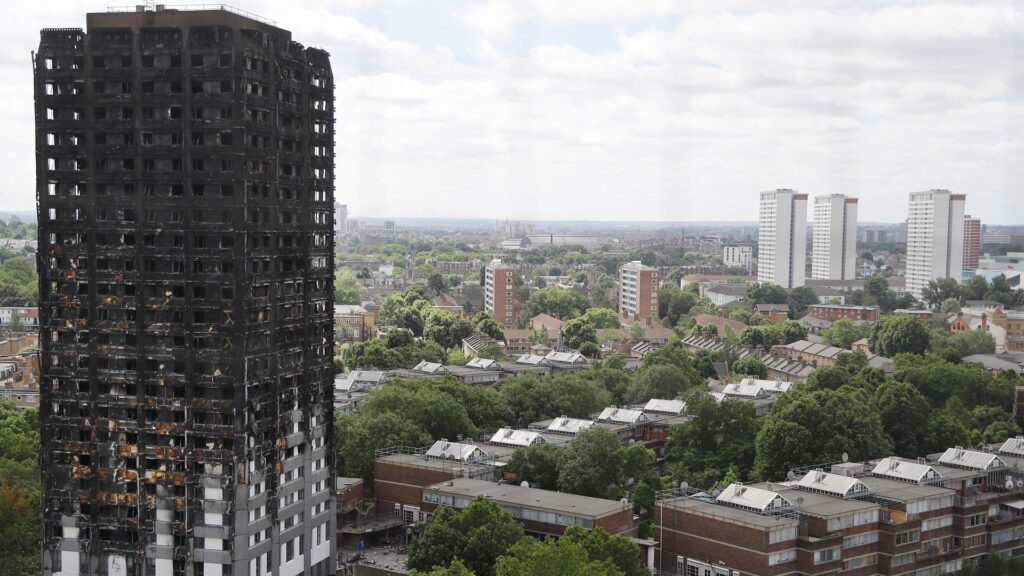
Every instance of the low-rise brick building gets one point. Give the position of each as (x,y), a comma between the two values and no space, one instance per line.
(892,516)
(542,512)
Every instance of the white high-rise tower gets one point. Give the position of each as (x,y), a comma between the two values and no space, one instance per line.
(782,238)
(935,238)
(834,255)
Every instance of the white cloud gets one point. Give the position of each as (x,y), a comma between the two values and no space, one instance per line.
(692,108)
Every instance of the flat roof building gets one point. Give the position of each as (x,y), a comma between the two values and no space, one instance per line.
(185,191)
(782,238)
(500,292)
(638,292)
(542,512)
(834,253)
(935,238)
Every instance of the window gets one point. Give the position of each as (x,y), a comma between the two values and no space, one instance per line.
(860,539)
(977,519)
(903,559)
(782,557)
(907,537)
(776,535)
(827,555)
(936,523)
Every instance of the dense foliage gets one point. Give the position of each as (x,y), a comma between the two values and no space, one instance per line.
(19,491)
(483,539)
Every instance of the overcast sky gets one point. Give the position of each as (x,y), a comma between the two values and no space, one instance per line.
(635,109)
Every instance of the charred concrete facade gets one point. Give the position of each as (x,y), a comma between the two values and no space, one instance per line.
(185,193)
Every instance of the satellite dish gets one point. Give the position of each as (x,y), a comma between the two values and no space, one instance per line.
(1009,483)
(1020,483)
(791,475)
(524,484)
(684,486)
(800,501)
(846,457)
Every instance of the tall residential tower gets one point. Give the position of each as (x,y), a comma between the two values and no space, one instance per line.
(500,292)
(185,186)
(782,238)
(638,293)
(935,238)
(834,253)
(972,242)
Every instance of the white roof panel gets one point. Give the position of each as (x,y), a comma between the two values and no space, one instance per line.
(1013,446)
(833,484)
(971,459)
(621,416)
(905,470)
(658,406)
(563,425)
(758,499)
(513,437)
(445,450)
(744,390)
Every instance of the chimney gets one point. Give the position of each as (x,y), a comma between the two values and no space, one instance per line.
(984,322)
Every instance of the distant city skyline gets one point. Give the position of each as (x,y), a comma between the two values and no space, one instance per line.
(599,109)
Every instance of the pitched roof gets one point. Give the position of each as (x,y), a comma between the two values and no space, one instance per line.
(445,450)
(532,360)
(554,325)
(479,341)
(735,325)
(565,425)
(758,499)
(621,416)
(833,484)
(744,390)
(513,437)
(483,363)
(658,406)
(772,307)
(566,357)
(971,459)
(429,367)
(1013,446)
(517,334)
(769,386)
(905,470)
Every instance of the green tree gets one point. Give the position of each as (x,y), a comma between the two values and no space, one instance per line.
(446,328)
(537,464)
(359,436)
(905,413)
(477,535)
(456,568)
(602,318)
(939,290)
(558,302)
(637,332)
(714,437)
(659,381)
(591,465)
(601,546)
(800,299)
(844,332)
(490,326)
(808,427)
(973,342)
(751,366)
(553,557)
(347,289)
(436,282)
(764,293)
(893,335)
(578,331)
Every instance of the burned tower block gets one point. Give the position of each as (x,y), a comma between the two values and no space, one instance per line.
(185,192)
